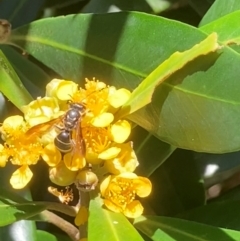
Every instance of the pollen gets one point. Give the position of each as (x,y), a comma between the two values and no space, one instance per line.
(122,192)
(96,139)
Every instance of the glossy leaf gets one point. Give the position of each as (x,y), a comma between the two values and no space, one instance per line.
(106,225)
(192,109)
(19,231)
(14,208)
(79,56)
(227,28)
(170,229)
(43,235)
(223,214)
(219,9)
(142,95)
(32,76)
(11,232)
(10,84)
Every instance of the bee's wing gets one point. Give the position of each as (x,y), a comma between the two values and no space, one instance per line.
(79,141)
(43,127)
(75,160)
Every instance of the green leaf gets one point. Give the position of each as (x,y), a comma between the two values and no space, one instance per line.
(32,76)
(219,9)
(171,229)
(223,214)
(227,28)
(11,232)
(196,108)
(108,45)
(43,235)
(14,208)
(106,225)
(10,84)
(150,151)
(21,230)
(142,95)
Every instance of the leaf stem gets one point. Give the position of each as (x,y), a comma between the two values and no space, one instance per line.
(67,227)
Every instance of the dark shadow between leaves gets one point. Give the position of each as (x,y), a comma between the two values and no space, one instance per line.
(177,185)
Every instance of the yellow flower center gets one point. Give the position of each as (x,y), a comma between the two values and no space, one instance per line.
(121,192)
(24,153)
(96,139)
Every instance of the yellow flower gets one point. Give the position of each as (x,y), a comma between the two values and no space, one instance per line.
(21,177)
(125,161)
(119,193)
(119,97)
(19,149)
(120,131)
(61,175)
(102,140)
(82,216)
(51,155)
(61,89)
(41,110)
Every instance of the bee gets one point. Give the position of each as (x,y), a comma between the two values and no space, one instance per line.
(70,121)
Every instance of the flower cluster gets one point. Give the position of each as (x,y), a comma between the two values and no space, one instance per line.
(96,141)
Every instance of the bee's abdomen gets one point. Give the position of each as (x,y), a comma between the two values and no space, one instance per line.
(63,141)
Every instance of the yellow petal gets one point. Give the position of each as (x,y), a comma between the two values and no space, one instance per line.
(66,89)
(104,185)
(109,153)
(51,155)
(37,120)
(126,161)
(102,120)
(82,216)
(119,97)
(143,186)
(52,87)
(120,131)
(112,206)
(74,161)
(61,175)
(21,177)
(3,156)
(41,110)
(133,209)
(92,157)
(13,122)
(127,175)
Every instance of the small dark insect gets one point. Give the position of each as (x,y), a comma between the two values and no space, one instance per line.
(65,141)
